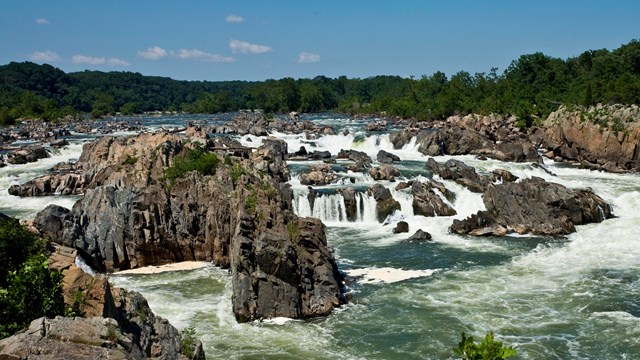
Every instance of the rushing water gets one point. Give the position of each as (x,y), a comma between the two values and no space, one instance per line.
(552,298)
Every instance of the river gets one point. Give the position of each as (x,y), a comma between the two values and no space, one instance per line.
(551,298)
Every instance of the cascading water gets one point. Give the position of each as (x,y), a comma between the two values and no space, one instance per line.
(552,298)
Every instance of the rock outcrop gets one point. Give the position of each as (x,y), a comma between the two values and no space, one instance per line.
(385,203)
(319,174)
(533,206)
(386,157)
(432,198)
(467,176)
(490,136)
(604,137)
(384,172)
(238,216)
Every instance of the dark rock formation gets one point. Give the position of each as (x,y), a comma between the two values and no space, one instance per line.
(361,160)
(377,126)
(428,199)
(350,203)
(420,235)
(533,206)
(385,203)
(27,154)
(386,157)
(401,227)
(239,217)
(461,173)
(493,137)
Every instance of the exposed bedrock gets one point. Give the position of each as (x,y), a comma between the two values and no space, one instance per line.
(431,198)
(534,206)
(385,203)
(470,135)
(603,137)
(238,217)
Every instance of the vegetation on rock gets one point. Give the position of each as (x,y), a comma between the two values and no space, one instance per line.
(28,289)
(488,349)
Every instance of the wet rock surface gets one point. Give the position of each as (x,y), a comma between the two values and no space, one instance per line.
(533,206)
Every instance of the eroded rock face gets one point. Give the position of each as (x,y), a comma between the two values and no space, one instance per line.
(533,206)
(384,172)
(385,203)
(490,136)
(604,137)
(467,176)
(239,217)
(319,174)
(429,199)
(386,157)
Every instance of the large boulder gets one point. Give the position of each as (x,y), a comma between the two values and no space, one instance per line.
(431,198)
(385,203)
(386,157)
(319,174)
(384,172)
(534,206)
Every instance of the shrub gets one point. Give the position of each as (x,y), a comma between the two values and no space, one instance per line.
(188,341)
(130,160)
(32,291)
(196,160)
(488,349)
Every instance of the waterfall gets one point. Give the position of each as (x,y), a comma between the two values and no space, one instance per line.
(331,208)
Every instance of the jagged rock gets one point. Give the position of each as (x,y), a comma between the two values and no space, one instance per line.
(461,173)
(361,160)
(428,199)
(401,227)
(493,137)
(350,203)
(132,331)
(420,235)
(384,172)
(319,174)
(385,203)
(404,185)
(387,157)
(602,137)
(377,126)
(318,155)
(535,206)
(234,217)
(27,154)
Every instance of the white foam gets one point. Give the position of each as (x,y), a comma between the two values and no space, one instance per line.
(386,275)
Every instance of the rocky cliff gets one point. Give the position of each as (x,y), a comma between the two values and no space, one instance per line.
(603,137)
(233,209)
(110,323)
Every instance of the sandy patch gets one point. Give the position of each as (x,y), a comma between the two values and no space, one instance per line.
(185,265)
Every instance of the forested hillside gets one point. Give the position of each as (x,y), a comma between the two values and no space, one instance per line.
(533,85)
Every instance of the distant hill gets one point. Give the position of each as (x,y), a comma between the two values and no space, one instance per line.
(532,86)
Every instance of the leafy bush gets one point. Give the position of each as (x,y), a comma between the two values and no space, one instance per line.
(32,291)
(130,160)
(488,349)
(188,341)
(28,289)
(196,160)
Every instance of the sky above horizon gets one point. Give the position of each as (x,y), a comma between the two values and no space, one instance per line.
(259,40)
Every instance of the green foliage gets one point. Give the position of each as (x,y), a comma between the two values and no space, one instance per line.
(130,160)
(250,203)
(293,227)
(236,171)
(195,160)
(32,291)
(488,349)
(188,341)
(16,246)
(533,85)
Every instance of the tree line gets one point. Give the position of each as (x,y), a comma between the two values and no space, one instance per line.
(532,86)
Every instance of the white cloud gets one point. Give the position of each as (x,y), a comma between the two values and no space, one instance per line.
(203,56)
(117,62)
(307,57)
(45,56)
(244,47)
(153,53)
(231,18)
(42,21)
(90,60)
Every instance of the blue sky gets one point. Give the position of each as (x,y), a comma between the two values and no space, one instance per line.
(272,39)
